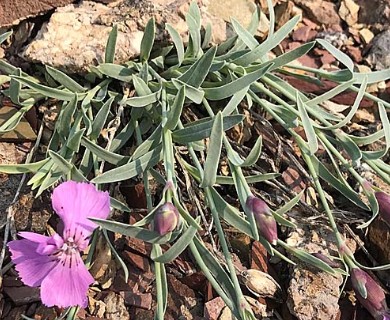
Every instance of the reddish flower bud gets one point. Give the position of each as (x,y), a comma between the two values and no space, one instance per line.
(369,293)
(264,219)
(166,218)
(384,205)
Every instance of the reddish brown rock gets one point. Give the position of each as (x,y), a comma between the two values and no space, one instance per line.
(304,34)
(322,12)
(355,53)
(143,300)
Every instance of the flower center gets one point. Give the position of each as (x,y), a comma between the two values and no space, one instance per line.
(69,247)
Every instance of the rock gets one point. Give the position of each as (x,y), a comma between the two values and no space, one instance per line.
(322,12)
(313,294)
(348,11)
(366,35)
(283,12)
(22,132)
(143,301)
(75,36)
(304,34)
(182,301)
(115,307)
(213,308)
(12,11)
(355,53)
(374,11)
(378,55)
(22,295)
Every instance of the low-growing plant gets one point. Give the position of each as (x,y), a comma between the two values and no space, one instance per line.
(144,102)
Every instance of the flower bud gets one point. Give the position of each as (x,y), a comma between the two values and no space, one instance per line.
(369,293)
(384,205)
(166,218)
(264,219)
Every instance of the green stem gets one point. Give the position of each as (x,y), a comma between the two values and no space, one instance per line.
(225,249)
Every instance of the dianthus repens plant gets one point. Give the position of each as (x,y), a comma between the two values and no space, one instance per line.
(144,103)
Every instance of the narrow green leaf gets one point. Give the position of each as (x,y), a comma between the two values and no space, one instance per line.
(4,36)
(339,55)
(207,36)
(23,167)
(176,109)
(148,40)
(372,77)
(244,34)
(230,214)
(345,190)
(178,247)
(66,117)
(268,44)
(104,154)
(64,79)
(132,231)
(249,179)
(229,89)
(100,119)
(64,165)
(117,72)
(185,214)
(254,154)
(385,123)
(117,256)
(213,152)
(48,91)
(215,267)
(194,94)
(310,259)
(291,55)
(150,143)
(109,54)
(234,102)
(349,146)
(177,42)
(283,221)
(118,205)
(201,129)
(130,169)
(139,102)
(290,204)
(307,126)
(196,74)
(194,32)
(73,143)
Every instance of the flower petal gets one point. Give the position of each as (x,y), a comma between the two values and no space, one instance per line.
(31,266)
(67,286)
(75,202)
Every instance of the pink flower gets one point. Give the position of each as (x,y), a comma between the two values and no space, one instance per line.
(54,263)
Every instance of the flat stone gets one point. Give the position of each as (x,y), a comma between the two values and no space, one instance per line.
(143,300)
(378,55)
(22,295)
(115,307)
(22,132)
(12,11)
(322,12)
(213,308)
(75,37)
(348,11)
(312,293)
